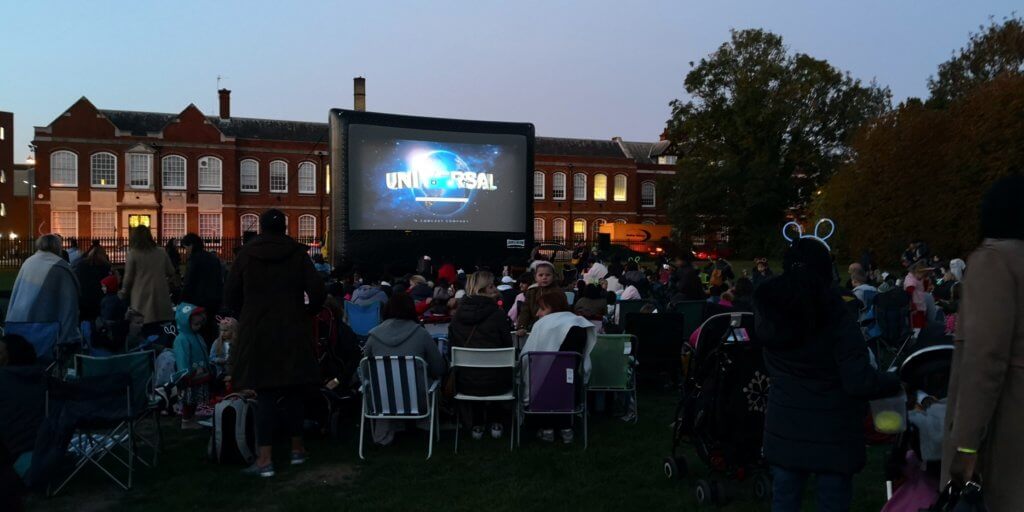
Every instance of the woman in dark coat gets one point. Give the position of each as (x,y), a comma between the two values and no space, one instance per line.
(267,288)
(821,379)
(90,270)
(204,282)
(480,323)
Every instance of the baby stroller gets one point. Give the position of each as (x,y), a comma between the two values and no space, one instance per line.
(336,348)
(721,412)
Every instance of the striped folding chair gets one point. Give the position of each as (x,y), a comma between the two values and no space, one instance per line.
(397,388)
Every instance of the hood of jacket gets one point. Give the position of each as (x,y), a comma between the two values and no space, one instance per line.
(475,309)
(394,332)
(273,247)
(182,314)
(368,293)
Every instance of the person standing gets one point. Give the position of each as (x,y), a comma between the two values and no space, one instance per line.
(204,281)
(274,290)
(148,277)
(46,290)
(984,416)
(90,270)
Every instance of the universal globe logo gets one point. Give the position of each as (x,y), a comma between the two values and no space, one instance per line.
(440,180)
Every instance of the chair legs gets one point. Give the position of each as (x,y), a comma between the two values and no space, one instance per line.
(458,421)
(362,427)
(433,422)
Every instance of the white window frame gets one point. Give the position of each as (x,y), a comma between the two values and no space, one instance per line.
(558,192)
(620,221)
(129,169)
(58,227)
(170,229)
(55,179)
(209,161)
(301,232)
(310,169)
(596,226)
(539,221)
(278,164)
(582,234)
(184,172)
(644,187)
(579,186)
(93,181)
(624,181)
(255,170)
(253,219)
(220,225)
(558,235)
(538,181)
(600,194)
(110,215)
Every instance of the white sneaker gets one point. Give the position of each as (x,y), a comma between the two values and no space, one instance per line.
(546,434)
(497,430)
(478,433)
(567,435)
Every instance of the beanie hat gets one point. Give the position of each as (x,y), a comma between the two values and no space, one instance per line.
(110,282)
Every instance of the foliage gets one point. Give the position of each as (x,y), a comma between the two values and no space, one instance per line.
(762,131)
(994,50)
(920,172)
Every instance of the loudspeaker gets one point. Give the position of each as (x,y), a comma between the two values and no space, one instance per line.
(604,241)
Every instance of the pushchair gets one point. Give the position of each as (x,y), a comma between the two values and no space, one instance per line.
(722,408)
(336,348)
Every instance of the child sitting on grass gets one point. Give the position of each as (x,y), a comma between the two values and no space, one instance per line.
(193,365)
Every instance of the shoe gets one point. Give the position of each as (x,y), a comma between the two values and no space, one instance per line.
(546,434)
(263,471)
(567,435)
(497,430)
(478,433)
(298,458)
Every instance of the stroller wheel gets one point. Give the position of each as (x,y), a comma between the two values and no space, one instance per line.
(763,486)
(675,467)
(706,493)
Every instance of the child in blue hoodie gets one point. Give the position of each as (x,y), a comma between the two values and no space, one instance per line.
(193,364)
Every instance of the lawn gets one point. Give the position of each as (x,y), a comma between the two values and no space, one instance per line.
(621,470)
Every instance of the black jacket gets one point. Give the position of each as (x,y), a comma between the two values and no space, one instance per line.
(686,281)
(89,277)
(204,281)
(819,388)
(480,323)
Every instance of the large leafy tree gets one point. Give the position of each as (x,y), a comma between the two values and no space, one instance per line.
(762,130)
(992,51)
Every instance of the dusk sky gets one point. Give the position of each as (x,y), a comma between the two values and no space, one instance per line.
(593,69)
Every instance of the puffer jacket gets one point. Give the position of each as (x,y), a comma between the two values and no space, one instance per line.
(480,323)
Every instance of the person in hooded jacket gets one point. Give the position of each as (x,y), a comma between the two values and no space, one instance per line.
(204,281)
(480,323)
(192,362)
(401,335)
(274,291)
(821,380)
(368,294)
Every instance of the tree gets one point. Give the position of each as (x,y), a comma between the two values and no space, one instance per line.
(762,131)
(994,50)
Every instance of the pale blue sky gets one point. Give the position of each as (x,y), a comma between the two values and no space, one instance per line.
(575,69)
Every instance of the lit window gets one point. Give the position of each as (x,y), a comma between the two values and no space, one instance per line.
(307,227)
(2,134)
(104,170)
(558,186)
(558,230)
(3,176)
(579,187)
(250,176)
(327,178)
(579,229)
(307,178)
(104,224)
(250,223)
(620,221)
(65,224)
(538,185)
(647,194)
(600,187)
(139,167)
(278,176)
(210,173)
(63,169)
(538,229)
(173,172)
(597,226)
(209,226)
(620,187)
(174,225)
(3,210)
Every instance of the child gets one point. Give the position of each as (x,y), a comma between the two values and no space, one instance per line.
(134,337)
(222,347)
(192,362)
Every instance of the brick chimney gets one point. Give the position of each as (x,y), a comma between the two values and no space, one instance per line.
(225,103)
(359,93)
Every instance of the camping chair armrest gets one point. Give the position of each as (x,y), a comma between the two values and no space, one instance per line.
(433,386)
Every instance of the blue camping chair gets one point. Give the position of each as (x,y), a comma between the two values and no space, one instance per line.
(362,317)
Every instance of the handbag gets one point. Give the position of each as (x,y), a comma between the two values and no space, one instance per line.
(955,498)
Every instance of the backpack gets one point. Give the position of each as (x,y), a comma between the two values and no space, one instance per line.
(233,438)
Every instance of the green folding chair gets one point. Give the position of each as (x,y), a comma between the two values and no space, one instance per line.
(625,307)
(613,367)
(693,315)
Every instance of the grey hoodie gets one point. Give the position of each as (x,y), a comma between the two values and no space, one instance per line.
(396,337)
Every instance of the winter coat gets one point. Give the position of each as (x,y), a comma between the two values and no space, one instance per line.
(190,353)
(266,290)
(112,308)
(819,388)
(367,294)
(89,277)
(480,323)
(46,290)
(758,277)
(147,279)
(987,379)
(395,337)
(204,281)
(528,313)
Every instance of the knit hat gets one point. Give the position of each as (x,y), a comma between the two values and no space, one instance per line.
(110,283)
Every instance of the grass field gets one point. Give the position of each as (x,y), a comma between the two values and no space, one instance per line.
(621,470)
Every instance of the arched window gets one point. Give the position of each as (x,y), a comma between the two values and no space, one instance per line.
(649,222)
(173,172)
(579,229)
(579,187)
(538,185)
(597,226)
(278,176)
(538,229)
(307,227)
(249,174)
(63,169)
(620,221)
(558,230)
(307,178)
(558,186)
(647,194)
(210,168)
(103,169)
(620,187)
(250,223)
(600,187)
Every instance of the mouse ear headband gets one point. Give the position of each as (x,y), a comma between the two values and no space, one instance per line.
(819,233)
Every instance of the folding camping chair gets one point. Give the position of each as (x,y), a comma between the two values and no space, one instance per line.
(613,367)
(553,383)
(625,307)
(95,444)
(693,314)
(397,388)
(362,317)
(490,358)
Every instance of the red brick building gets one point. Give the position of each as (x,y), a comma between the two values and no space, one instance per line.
(101,172)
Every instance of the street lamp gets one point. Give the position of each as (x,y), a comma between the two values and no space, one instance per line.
(31,182)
